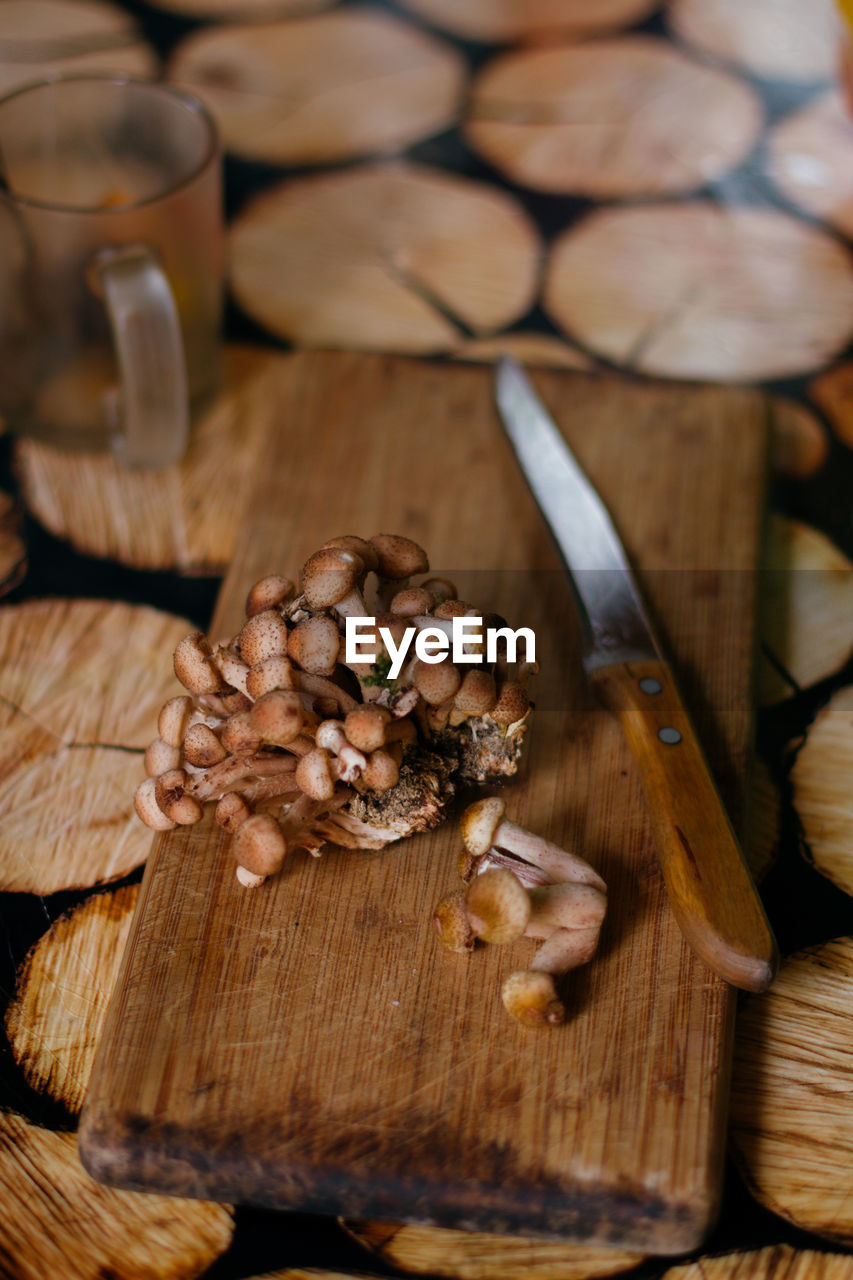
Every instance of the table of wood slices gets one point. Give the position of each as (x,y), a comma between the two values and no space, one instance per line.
(631,190)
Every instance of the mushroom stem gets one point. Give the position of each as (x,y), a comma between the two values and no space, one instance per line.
(566,949)
(484,826)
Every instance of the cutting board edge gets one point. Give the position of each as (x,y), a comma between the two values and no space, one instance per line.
(122,1156)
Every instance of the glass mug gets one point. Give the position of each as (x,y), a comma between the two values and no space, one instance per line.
(111,264)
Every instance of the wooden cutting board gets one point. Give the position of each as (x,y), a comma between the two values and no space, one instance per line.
(309,1045)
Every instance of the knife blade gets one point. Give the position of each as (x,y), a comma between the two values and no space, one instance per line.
(710,889)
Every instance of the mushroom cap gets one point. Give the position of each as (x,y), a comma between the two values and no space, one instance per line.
(278,717)
(512,704)
(231,811)
(479,823)
(263,636)
(366,726)
(399,557)
(172,800)
(159,757)
(451,923)
(381,771)
(477,693)
(173,719)
(449,609)
(314,774)
(330,575)
(194,665)
(147,808)
(411,601)
(202,747)
(435,681)
(238,735)
(498,906)
(314,645)
(358,546)
(532,999)
(267,593)
(274,672)
(259,845)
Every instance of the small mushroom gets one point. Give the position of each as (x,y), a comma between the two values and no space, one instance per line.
(202,747)
(231,811)
(259,848)
(381,771)
(398,559)
(440,589)
(159,757)
(267,593)
(194,665)
(316,774)
(264,635)
(314,645)
(484,826)
(531,998)
(366,727)
(512,705)
(476,696)
(278,717)
(498,906)
(451,923)
(147,808)
(436,682)
(239,736)
(275,672)
(174,719)
(410,602)
(331,579)
(530,995)
(173,799)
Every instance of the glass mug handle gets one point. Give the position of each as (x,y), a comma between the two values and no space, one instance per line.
(154,419)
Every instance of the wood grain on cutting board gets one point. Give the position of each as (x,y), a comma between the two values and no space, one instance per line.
(309,1045)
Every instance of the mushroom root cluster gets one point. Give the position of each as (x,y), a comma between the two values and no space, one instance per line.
(296,747)
(520,885)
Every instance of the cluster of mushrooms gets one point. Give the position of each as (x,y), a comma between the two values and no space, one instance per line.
(296,747)
(519,884)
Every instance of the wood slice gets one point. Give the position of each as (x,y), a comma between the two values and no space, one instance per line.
(823,796)
(776,1262)
(13,550)
(791,1119)
(242,10)
(833,393)
(316,90)
(184,517)
(806,606)
(629,117)
(390,257)
(512,20)
(783,39)
(810,159)
(58,1222)
(64,986)
(538,350)
(799,443)
(698,291)
(474,1255)
(81,683)
(39,38)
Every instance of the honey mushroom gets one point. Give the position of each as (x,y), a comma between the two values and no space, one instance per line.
(522,885)
(271,726)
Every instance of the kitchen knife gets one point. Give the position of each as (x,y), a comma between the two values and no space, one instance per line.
(710,889)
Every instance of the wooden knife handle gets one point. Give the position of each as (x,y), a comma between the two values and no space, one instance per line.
(710,888)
